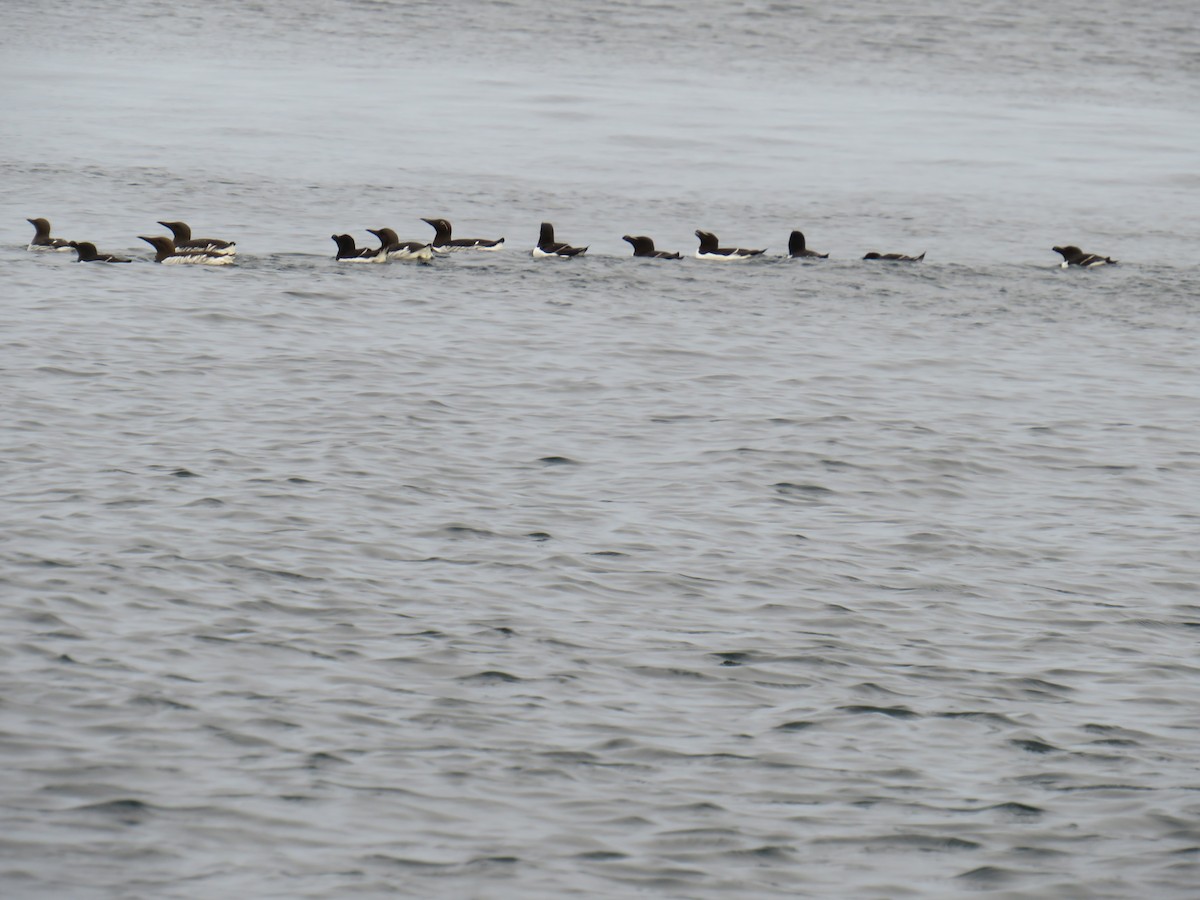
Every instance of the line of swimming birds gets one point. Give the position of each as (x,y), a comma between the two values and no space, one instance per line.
(183,249)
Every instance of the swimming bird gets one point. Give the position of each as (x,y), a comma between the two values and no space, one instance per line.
(894,257)
(644,246)
(88,253)
(1073,256)
(710,250)
(796,248)
(181,236)
(394,248)
(167,253)
(43,241)
(443,242)
(348,252)
(547,246)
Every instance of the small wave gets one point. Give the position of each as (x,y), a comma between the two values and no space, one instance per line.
(894,712)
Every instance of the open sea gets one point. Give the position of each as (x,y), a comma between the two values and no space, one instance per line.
(498,577)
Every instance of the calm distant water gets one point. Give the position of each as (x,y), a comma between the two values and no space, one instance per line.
(499,578)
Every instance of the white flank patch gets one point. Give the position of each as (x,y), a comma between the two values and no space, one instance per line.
(198,259)
(424,253)
(539,253)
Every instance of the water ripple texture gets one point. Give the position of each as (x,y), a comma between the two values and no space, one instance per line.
(501,577)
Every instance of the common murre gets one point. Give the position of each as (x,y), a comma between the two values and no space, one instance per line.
(797,249)
(168,254)
(391,245)
(709,249)
(181,237)
(443,242)
(644,246)
(894,257)
(547,246)
(43,241)
(348,252)
(88,253)
(1073,256)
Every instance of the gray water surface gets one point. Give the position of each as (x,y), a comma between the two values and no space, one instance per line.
(499,577)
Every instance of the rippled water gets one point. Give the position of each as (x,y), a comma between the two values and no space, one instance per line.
(498,577)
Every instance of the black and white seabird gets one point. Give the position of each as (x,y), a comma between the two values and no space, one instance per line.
(444,243)
(1073,256)
(894,257)
(43,241)
(796,248)
(394,248)
(710,250)
(348,252)
(168,254)
(184,242)
(547,246)
(88,253)
(644,246)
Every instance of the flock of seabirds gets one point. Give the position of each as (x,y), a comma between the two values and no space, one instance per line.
(183,249)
